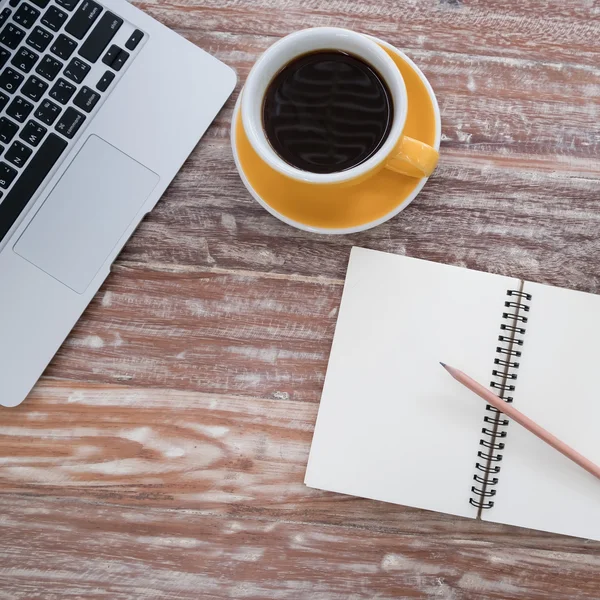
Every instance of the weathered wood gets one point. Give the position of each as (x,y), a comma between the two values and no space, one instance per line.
(163,453)
(542,30)
(232,456)
(211,332)
(528,223)
(101,550)
(518,182)
(519,108)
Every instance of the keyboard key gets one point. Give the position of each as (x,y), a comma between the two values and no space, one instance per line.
(86,99)
(8,129)
(134,39)
(41,3)
(83,18)
(49,67)
(70,122)
(10,80)
(68,4)
(39,39)
(19,109)
(14,2)
(28,183)
(26,15)
(32,133)
(7,175)
(106,80)
(34,88)
(100,36)
(3,100)
(4,56)
(47,112)
(54,18)
(24,59)
(111,54)
(120,60)
(11,36)
(4,15)
(18,154)
(76,70)
(62,91)
(63,46)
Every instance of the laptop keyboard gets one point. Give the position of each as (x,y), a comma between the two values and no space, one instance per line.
(57,64)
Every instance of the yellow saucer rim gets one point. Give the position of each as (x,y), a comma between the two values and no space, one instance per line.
(402,204)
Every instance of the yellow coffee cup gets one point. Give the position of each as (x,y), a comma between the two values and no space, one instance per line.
(398,153)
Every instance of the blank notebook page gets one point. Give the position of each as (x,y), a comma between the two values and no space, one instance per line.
(392,424)
(558,386)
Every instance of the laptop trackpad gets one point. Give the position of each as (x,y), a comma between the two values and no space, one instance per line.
(86,214)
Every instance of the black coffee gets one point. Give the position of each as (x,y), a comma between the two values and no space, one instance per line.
(327,111)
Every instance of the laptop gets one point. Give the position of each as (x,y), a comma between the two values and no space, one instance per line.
(99,107)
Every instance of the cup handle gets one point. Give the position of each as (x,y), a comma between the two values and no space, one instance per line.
(413,158)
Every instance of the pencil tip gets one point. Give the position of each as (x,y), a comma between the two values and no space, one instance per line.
(443,364)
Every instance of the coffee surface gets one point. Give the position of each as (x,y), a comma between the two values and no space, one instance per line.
(326,112)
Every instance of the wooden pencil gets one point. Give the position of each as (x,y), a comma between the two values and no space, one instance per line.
(516,415)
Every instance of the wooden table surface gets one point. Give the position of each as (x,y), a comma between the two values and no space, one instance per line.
(162,454)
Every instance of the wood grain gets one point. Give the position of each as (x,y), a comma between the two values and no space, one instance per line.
(490,105)
(210,332)
(100,551)
(534,224)
(542,30)
(231,456)
(212,485)
(163,453)
(518,178)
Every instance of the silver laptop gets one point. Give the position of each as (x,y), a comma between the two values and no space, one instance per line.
(99,107)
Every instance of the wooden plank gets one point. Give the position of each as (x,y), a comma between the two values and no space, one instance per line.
(518,178)
(169,487)
(542,226)
(65,550)
(491,106)
(232,456)
(218,332)
(542,30)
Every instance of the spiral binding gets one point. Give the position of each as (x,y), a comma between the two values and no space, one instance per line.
(504,373)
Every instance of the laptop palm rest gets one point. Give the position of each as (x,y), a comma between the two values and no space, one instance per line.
(86,214)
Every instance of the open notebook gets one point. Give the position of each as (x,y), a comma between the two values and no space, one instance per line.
(394,426)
